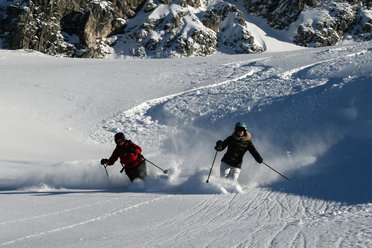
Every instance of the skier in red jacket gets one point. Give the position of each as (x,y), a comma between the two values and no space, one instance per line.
(130,156)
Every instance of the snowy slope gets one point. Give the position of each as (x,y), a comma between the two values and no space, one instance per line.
(310,116)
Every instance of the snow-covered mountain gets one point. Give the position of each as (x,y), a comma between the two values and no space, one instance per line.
(310,117)
(177,28)
(316,23)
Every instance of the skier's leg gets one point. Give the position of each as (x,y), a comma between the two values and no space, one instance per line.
(234,173)
(131,174)
(224,170)
(137,172)
(141,171)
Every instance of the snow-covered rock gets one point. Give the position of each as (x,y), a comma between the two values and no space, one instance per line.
(185,28)
(154,28)
(73,28)
(317,23)
(175,28)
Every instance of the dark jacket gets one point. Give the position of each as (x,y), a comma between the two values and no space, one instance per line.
(129,154)
(236,148)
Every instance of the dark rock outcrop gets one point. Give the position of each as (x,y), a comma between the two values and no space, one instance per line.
(167,28)
(332,20)
(82,28)
(64,27)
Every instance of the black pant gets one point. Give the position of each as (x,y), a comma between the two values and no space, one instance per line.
(137,172)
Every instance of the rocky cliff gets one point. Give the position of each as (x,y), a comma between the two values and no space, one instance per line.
(74,28)
(168,28)
(160,28)
(317,23)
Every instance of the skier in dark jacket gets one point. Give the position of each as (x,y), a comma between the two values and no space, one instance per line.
(237,145)
(130,156)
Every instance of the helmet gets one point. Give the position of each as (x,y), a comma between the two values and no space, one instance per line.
(241,125)
(119,136)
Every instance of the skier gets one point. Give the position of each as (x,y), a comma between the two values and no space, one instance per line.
(130,155)
(237,144)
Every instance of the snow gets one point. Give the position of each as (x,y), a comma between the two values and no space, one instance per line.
(269,39)
(309,112)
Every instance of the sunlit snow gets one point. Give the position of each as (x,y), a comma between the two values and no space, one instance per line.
(309,112)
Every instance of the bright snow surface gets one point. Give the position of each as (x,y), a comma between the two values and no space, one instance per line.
(309,111)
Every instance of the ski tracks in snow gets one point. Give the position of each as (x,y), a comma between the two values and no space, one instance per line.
(56,212)
(145,119)
(258,217)
(283,221)
(71,212)
(237,87)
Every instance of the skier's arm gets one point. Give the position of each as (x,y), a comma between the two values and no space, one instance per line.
(114,157)
(221,145)
(254,153)
(226,142)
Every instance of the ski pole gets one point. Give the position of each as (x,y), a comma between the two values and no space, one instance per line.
(212,167)
(275,171)
(164,171)
(122,169)
(104,166)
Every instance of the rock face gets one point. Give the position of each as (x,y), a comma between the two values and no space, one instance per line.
(156,28)
(318,23)
(173,28)
(73,28)
(180,32)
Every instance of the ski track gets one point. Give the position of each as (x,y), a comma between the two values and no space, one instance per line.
(129,120)
(88,221)
(221,215)
(249,79)
(267,219)
(58,212)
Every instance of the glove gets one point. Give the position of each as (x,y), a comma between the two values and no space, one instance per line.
(259,160)
(218,146)
(104,161)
